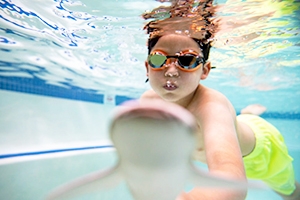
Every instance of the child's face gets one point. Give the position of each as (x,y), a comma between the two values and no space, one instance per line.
(172,83)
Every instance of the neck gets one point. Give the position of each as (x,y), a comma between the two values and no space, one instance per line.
(185,102)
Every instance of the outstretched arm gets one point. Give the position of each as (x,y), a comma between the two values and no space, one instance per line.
(223,154)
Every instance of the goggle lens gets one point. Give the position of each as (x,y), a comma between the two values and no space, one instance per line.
(186,61)
(157,60)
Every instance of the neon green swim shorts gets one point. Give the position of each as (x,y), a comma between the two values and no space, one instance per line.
(269,161)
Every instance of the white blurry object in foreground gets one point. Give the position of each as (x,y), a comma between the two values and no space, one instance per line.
(154,142)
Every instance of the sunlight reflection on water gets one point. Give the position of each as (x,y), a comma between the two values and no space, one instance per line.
(89,45)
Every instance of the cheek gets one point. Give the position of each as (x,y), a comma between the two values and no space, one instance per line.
(190,78)
(155,75)
(155,78)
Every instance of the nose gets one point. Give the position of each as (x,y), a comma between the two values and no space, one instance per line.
(171,65)
(171,69)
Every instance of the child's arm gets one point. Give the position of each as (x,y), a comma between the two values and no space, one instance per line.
(223,154)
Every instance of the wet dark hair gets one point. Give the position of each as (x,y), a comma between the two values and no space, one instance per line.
(204,47)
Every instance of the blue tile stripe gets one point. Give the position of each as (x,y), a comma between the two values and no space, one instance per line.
(40,87)
(280,115)
(3,156)
(283,115)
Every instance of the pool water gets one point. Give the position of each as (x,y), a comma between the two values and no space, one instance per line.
(66,65)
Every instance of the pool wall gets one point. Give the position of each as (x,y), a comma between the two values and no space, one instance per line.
(47,140)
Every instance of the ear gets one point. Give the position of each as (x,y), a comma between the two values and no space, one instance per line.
(205,70)
(147,68)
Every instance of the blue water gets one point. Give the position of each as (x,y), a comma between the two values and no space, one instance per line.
(65,65)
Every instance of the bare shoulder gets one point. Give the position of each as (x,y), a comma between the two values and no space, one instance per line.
(210,100)
(209,95)
(214,94)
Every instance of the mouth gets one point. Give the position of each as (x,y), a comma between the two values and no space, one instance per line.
(170,85)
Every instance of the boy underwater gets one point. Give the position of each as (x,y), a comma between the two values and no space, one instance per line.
(236,147)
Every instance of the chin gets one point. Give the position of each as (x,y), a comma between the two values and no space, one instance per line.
(171,98)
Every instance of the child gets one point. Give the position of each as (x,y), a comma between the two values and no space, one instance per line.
(231,146)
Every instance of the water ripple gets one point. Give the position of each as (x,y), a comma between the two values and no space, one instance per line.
(89,45)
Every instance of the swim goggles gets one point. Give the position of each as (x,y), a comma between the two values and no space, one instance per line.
(188,60)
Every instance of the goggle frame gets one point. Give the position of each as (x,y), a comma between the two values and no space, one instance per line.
(198,59)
